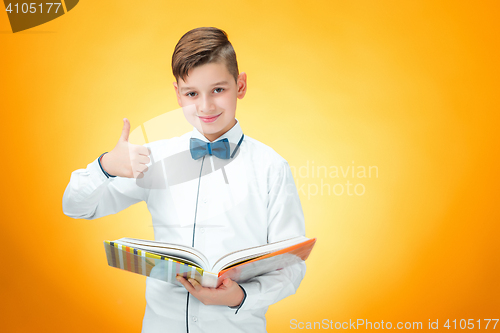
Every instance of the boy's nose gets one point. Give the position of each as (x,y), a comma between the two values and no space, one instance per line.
(206,105)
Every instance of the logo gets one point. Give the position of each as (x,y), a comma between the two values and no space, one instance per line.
(25,15)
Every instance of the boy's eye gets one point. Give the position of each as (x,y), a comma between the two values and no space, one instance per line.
(219,90)
(189,94)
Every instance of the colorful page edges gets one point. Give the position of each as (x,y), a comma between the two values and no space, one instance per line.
(149,264)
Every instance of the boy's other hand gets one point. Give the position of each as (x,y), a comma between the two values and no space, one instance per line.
(229,292)
(126,159)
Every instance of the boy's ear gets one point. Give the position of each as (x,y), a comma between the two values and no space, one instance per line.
(242,85)
(177,94)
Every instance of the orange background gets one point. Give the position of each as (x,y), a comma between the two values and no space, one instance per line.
(411,87)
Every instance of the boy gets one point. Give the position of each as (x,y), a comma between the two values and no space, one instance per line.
(242,194)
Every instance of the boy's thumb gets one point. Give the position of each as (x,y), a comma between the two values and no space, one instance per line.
(125,130)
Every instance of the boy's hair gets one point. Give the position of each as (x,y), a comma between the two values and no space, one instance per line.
(203,46)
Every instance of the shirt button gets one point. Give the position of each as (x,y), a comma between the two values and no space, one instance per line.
(202,230)
(205,200)
(195,319)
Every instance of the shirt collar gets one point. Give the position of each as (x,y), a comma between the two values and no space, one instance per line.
(233,135)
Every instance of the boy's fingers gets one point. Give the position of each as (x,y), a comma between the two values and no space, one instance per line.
(143,159)
(185,283)
(195,284)
(227,282)
(125,130)
(143,151)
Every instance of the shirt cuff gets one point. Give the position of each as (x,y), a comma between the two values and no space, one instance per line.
(99,160)
(237,307)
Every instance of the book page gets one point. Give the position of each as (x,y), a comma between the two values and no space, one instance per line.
(254,252)
(273,261)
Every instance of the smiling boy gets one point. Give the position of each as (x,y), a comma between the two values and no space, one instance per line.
(215,103)
(250,201)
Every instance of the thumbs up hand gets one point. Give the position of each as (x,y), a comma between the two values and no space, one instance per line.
(126,159)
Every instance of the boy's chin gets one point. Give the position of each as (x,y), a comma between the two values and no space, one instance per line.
(207,129)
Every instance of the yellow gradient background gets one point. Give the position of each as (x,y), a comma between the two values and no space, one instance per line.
(410,88)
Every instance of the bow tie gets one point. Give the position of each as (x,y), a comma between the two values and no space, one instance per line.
(200,148)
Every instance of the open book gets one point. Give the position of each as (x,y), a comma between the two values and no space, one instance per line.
(164,261)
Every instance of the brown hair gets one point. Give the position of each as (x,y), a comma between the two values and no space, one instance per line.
(202,46)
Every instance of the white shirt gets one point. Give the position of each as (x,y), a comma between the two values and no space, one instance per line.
(249,201)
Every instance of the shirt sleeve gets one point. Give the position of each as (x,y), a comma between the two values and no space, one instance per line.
(90,194)
(285,220)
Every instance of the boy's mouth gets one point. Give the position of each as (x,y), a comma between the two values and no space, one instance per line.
(209,119)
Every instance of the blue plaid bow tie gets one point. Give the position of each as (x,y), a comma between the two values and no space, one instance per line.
(200,148)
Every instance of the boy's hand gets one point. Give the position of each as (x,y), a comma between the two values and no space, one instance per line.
(126,160)
(229,292)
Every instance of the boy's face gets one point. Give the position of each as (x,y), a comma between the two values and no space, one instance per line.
(208,98)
